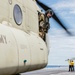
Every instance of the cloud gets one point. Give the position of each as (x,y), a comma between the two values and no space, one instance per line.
(64,4)
(65,7)
(72,12)
(61,47)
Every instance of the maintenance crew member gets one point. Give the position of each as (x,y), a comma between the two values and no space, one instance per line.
(72,65)
(44,25)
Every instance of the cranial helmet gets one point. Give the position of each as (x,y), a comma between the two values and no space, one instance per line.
(49,11)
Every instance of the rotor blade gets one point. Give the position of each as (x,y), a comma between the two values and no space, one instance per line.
(61,24)
(45,7)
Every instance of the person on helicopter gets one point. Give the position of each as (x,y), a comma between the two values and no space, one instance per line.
(44,24)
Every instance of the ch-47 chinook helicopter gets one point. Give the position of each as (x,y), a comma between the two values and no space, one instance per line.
(21,47)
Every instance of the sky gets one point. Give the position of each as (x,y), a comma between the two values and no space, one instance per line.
(61,46)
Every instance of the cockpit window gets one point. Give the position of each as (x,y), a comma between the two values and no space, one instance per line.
(17,14)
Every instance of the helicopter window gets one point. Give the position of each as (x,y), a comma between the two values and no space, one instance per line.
(17,14)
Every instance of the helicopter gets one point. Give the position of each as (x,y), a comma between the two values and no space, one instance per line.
(21,47)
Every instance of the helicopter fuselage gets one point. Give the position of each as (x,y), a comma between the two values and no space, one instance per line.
(21,48)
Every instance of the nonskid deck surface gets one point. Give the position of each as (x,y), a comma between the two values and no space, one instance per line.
(49,71)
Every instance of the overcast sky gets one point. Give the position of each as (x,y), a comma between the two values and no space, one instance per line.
(62,46)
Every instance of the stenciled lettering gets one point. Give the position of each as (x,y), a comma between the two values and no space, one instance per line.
(3,39)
